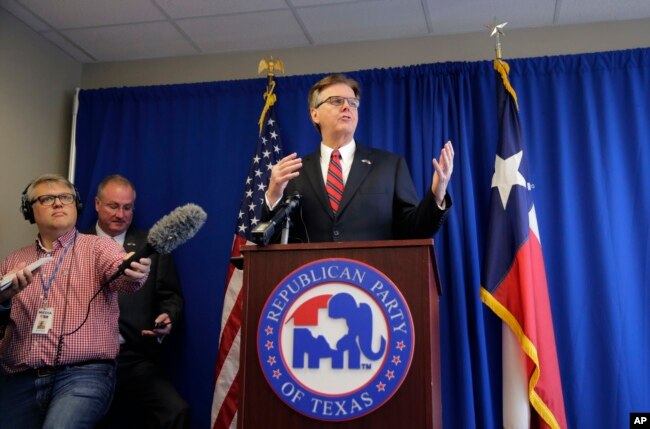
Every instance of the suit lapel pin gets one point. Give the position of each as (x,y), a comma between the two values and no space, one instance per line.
(366,161)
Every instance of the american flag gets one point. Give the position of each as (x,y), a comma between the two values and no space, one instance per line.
(514,280)
(226,388)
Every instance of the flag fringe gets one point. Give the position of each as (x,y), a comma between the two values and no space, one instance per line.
(270,98)
(503,69)
(529,349)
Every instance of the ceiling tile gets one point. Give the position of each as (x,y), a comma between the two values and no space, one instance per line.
(24,15)
(470,16)
(376,20)
(578,11)
(68,47)
(140,29)
(129,42)
(197,8)
(245,32)
(86,13)
(302,3)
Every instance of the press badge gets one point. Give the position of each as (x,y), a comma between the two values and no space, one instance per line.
(44,320)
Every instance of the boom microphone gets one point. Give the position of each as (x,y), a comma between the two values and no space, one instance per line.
(168,233)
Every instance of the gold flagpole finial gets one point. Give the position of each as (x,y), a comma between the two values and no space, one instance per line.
(271,66)
(496,30)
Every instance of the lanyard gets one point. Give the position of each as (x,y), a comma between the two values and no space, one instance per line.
(48,284)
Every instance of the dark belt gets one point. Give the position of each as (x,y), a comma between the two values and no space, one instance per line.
(46,371)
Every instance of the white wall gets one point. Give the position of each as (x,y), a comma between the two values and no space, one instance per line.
(37,83)
(557,40)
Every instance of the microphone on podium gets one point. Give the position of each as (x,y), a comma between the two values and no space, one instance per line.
(264,231)
(169,232)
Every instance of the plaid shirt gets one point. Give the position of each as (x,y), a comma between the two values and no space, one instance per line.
(84,263)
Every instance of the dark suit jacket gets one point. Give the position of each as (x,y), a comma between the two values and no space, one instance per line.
(161,293)
(379,202)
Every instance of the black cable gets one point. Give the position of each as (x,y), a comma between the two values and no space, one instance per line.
(59,344)
(101,288)
(304,225)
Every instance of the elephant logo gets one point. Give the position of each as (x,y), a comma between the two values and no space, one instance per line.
(359,336)
(357,341)
(335,331)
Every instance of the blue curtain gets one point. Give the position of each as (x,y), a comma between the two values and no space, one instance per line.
(586,121)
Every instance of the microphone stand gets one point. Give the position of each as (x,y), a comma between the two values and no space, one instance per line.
(264,231)
(284,238)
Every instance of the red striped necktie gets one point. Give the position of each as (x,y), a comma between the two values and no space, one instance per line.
(334,184)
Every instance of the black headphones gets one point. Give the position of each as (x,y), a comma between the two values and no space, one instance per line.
(26,205)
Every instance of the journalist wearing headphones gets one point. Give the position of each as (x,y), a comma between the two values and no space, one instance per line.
(57,355)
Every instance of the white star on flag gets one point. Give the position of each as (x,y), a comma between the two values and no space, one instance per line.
(507,175)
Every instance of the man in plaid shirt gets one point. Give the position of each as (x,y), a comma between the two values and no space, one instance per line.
(57,356)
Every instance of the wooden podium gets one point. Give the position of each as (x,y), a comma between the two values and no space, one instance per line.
(411,265)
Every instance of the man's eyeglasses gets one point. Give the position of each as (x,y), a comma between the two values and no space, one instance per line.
(48,200)
(126,208)
(338,101)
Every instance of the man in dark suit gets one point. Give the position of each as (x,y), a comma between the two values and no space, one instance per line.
(144,397)
(349,192)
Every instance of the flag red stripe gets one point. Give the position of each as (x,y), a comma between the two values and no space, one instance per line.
(229,333)
(230,330)
(233,323)
(228,408)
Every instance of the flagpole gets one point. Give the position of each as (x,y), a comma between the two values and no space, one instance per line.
(268,152)
(496,31)
(528,342)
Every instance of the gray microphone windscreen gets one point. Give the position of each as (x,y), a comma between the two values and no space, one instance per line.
(176,228)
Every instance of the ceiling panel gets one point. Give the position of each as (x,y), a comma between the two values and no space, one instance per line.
(245,32)
(88,13)
(195,8)
(34,22)
(69,47)
(581,11)
(469,16)
(112,30)
(360,21)
(129,42)
(303,3)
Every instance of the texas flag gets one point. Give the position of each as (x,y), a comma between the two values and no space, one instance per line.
(514,280)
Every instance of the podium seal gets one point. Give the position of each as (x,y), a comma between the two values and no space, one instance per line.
(335,339)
